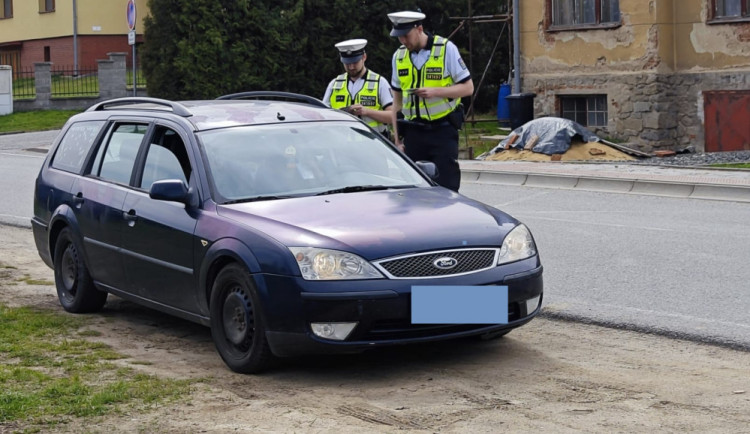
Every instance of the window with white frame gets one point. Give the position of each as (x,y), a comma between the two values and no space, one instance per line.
(731,9)
(587,110)
(582,13)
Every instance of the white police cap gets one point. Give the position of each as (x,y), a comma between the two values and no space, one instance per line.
(404,21)
(352,50)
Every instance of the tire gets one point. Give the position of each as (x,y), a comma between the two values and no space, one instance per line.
(75,288)
(238,326)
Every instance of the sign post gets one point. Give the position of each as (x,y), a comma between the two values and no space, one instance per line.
(130,15)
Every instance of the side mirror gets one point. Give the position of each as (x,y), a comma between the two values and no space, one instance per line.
(173,190)
(429,168)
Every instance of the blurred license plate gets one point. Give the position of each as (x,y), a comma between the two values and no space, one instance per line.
(459,304)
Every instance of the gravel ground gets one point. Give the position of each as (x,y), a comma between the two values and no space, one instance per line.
(697,159)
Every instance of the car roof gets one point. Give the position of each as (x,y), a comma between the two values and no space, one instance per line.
(231,110)
(217,114)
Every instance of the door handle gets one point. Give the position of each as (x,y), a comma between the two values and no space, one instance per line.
(78,199)
(130,217)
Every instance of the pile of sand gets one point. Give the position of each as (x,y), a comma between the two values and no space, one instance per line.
(578,151)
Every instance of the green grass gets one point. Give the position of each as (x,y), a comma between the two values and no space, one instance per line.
(30,281)
(35,121)
(470,134)
(733,165)
(49,375)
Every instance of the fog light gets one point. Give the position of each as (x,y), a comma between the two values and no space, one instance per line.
(531,305)
(337,331)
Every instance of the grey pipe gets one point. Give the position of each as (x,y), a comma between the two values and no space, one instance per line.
(516,48)
(75,36)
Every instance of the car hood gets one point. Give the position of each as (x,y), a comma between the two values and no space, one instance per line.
(377,224)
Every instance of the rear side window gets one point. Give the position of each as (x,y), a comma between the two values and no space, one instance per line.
(116,158)
(75,146)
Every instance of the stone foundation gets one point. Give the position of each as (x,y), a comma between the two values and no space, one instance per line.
(649,112)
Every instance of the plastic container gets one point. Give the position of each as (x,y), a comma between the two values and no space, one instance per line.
(503,113)
(521,108)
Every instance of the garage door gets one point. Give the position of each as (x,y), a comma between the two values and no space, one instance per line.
(727,120)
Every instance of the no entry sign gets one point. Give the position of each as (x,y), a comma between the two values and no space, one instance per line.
(131,14)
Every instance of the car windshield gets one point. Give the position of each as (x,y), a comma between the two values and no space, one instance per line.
(287,160)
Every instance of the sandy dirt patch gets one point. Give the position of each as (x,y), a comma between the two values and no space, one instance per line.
(547,376)
(578,151)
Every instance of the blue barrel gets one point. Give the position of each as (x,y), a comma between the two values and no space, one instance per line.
(503,110)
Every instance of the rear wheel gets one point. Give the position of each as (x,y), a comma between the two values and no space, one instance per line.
(238,327)
(75,289)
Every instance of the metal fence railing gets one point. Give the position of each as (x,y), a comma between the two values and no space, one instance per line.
(24,86)
(140,80)
(68,81)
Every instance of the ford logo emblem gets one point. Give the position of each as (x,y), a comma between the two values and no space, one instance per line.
(445,263)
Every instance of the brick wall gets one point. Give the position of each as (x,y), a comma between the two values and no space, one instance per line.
(90,49)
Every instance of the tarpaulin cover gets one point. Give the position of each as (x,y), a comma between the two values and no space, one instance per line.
(553,136)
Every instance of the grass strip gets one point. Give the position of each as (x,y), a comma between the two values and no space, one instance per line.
(41,120)
(49,374)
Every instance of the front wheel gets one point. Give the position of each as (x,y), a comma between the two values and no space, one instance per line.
(238,327)
(75,289)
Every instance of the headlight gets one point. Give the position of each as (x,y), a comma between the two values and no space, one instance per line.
(324,264)
(517,245)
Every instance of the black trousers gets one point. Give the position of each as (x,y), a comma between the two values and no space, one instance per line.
(439,144)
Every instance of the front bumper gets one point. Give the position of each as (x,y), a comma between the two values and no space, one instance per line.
(382,309)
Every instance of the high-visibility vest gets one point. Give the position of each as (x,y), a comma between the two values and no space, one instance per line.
(431,75)
(367,96)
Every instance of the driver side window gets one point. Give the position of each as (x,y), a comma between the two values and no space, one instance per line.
(166,158)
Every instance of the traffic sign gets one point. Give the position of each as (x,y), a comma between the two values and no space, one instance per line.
(131,14)
(131,37)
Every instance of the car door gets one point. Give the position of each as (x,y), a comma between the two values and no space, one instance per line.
(98,198)
(158,238)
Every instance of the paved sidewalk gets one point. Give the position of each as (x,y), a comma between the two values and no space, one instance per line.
(703,183)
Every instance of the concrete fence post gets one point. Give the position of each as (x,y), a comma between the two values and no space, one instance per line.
(6,90)
(43,84)
(113,76)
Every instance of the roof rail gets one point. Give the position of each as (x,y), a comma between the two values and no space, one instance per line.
(296,97)
(176,107)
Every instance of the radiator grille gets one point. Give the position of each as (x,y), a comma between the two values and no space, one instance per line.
(423,265)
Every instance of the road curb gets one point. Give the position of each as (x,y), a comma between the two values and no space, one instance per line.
(734,193)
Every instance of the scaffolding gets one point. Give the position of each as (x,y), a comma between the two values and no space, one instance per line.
(468,21)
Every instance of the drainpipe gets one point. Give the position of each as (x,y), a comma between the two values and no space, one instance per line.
(516,48)
(75,37)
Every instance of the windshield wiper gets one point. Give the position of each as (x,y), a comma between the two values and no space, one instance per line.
(254,199)
(358,188)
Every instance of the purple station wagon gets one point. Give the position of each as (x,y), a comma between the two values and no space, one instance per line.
(285,226)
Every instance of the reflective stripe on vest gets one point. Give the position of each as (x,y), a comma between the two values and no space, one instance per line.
(432,74)
(367,96)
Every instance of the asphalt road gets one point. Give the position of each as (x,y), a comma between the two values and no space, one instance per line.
(671,266)
(17,175)
(21,155)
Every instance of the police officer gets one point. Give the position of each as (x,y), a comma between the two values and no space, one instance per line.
(429,78)
(360,91)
